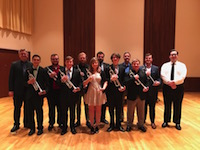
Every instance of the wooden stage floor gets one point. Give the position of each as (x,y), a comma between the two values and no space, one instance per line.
(168,138)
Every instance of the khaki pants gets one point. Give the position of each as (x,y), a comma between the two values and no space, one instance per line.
(131,111)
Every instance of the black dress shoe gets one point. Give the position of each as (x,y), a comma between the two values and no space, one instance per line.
(14,128)
(31,132)
(88,125)
(50,127)
(178,126)
(40,132)
(77,124)
(153,125)
(104,121)
(165,124)
(142,128)
(121,129)
(73,131)
(63,131)
(96,130)
(128,129)
(92,130)
(110,129)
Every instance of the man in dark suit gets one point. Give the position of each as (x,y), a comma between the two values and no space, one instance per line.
(115,91)
(82,67)
(104,67)
(70,93)
(17,87)
(127,66)
(37,87)
(53,96)
(154,80)
(137,86)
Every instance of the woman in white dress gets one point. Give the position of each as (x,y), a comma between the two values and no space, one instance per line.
(95,96)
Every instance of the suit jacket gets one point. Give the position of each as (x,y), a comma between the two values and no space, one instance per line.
(112,92)
(17,77)
(134,90)
(42,79)
(51,80)
(68,97)
(153,90)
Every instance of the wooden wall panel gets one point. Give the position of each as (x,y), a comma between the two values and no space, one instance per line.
(79,28)
(159,29)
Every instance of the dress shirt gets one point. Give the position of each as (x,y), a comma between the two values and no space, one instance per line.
(180,72)
(70,72)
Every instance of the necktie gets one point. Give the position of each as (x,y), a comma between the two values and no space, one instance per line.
(34,72)
(68,74)
(172,72)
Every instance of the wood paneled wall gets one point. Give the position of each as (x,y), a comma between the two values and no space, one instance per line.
(79,28)
(159,29)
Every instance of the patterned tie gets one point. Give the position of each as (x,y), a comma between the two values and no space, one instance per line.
(172,72)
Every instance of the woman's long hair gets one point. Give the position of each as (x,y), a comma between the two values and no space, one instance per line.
(94,59)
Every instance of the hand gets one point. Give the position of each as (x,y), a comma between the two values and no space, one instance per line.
(122,88)
(76,90)
(136,77)
(42,93)
(10,93)
(156,83)
(148,73)
(114,77)
(145,89)
(82,74)
(31,81)
(53,74)
(64,78)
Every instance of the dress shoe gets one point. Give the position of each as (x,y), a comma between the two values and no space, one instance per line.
(165,124)
(88,125)
(128,129)
(63,131)
(142,128)
(77,124)
(121,129)
(14,128)
(104,121)
(40,132)
(110,129)
(92,130)
(178,126)
(153,125)
(73,131)
(31,132)
(50,127)
(96,130)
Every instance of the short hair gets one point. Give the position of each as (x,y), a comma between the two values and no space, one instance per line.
(148,54)
(52,55)
(69,58)
(116,55)
(36,55)
(127,53)
(135,60)
(100,52)
(82,53)
(173,50)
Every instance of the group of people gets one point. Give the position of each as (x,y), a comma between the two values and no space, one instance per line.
(99,85)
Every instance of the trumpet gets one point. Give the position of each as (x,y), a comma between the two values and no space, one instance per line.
(116,82)
(138,82)
(68,82)
(49,71)
(35,85)
(88,73)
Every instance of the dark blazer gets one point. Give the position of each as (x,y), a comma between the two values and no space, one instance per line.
(51,80)
(68,97)
(113,94)
(134,90)
(42,79)
(153,90)
(17,77)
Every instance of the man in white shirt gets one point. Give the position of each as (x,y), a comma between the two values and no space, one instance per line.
(173,74)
